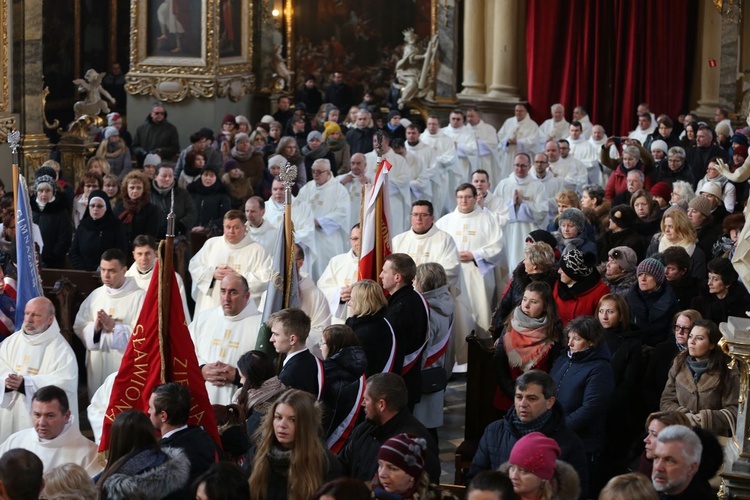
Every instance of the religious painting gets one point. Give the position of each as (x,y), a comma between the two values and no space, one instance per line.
(231,34)
(175,28)
(361,38)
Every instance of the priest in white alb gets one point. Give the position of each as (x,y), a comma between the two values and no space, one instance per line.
(466,150)
(234,252)
(353,181)
(107,317)
(583,151)
(55,437)
(486,199)
(399,180)
(313,302)
(341,272)
(302,216)
(486,136)
(479,240)
(527,208)
(222,334)
(142,270)
(258,228)
(581,116)
(555,128)
(420,184)
(518,134)
(444,160)
(552,185)
(328,201)
(33,357)
(570,171)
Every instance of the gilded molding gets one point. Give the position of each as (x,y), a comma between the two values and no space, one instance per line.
(174,79)
(55,124)
(4,58)
(7,124)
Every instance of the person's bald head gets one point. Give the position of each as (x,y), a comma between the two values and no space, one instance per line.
(39,315)
(358,164)
(552,150)
(255,209)
(235,294)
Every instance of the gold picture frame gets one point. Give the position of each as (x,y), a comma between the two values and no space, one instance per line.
(176,49)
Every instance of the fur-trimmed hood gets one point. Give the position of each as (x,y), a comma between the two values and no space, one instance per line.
(565,485)
(151,474)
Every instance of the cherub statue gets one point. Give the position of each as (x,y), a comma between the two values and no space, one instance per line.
(413,70)
(93,104)
(279,66)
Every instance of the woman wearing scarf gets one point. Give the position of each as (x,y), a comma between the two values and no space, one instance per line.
(529,341)
(211,200)
(249,158)
(728,190)
(137,214)
(700,384)
(116,152)
(336,144)
(288,149)
(194,162)
(652,302)
(580,286)
(572,228)
(676,230)
(100,230)
(89,182)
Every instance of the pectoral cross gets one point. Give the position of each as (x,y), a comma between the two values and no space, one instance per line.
(225,343)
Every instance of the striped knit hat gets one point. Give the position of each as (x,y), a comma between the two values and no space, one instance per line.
(405,451)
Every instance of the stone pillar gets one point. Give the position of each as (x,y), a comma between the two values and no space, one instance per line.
(505,51)
(709,35)
(28,83)
(474,43)
(444,23)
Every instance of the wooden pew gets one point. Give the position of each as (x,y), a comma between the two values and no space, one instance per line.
(67,289)
(480,392)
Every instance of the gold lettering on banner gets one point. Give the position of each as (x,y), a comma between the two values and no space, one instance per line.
(181,375)
(197,415)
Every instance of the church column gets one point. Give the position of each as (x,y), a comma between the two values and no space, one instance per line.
(505,54)
(709,35)
(473,48)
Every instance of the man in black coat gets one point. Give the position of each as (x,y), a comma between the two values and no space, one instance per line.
(359,137)
(386,415)
(677,458)
(169,408)
(699,156)
(156,135)
(535,410)
(301,370)
(408,313)
(339,93)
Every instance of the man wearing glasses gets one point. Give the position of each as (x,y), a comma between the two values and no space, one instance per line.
(156,135)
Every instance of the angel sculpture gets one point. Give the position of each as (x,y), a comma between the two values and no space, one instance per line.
(93,104)
(413,69)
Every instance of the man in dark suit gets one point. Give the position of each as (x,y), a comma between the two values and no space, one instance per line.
(408,313)
(301,370)
(169,408)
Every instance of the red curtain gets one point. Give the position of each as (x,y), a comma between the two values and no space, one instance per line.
(609,56)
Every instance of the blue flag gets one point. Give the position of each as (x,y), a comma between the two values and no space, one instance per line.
(282,291)
(29,283)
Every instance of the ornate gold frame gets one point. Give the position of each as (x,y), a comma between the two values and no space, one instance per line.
(8,120)
(174,79)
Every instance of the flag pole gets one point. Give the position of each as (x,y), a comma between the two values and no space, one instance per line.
(288,177)
(14,139)
(379,211)
(165,292)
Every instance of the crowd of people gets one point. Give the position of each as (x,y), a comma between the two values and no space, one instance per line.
(600,266)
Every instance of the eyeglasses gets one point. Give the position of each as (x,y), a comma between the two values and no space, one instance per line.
(679,328)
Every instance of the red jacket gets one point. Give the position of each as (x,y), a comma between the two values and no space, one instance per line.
(618,182)
(584,304)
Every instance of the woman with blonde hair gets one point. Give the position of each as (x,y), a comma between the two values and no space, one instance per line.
(290,460)
(632,486)
(565,199)
(68,482)
(676,230)
(98,165)
(655,422)
(367,308)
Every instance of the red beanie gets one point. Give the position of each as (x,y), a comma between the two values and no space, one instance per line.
(229,118)
(537,454)
(662,190)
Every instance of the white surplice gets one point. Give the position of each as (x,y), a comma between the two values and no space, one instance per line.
(224,338)
(314,303)
(302,218)
(487,157)
(124,305)
(587,153)
(552,187)
(528,216)
(572,172)
(354,190)
(70,447)
(265,235)
(550,130)
(329,205)
(467,153)
(342,270)
(98,406)
(420,184)
(526,134)
(246,258)
(42,359)
(399,179)
(586,127)
(143,280)
(445,160)
(479,233)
